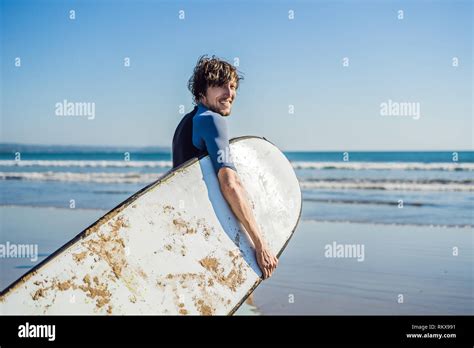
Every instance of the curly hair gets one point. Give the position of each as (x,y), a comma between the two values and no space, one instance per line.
(209,72)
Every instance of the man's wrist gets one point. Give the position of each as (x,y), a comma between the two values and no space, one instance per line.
(259,243)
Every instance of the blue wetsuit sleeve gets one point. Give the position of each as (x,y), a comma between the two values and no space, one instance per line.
(212,129)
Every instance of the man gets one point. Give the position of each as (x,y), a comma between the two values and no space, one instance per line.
(204,131)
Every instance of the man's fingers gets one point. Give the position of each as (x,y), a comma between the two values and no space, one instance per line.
(267,258)
(274,265)
(264,269)
(267,262)
(270,269)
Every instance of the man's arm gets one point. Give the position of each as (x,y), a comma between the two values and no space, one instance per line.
(213,130)
(235,195)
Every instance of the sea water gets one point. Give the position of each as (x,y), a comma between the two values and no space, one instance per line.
(419,188)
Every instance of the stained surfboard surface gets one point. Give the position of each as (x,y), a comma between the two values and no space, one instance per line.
(174,247)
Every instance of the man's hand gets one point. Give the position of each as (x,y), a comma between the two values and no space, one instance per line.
(266,261)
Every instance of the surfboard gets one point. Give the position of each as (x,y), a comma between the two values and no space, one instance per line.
(174,247)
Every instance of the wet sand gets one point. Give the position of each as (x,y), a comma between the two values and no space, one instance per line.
(416,262)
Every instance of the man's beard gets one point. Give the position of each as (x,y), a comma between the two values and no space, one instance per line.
(219,111)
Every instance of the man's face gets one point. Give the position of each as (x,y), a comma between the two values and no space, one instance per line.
(220,98)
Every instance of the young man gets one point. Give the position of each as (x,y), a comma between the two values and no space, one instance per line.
(204,131)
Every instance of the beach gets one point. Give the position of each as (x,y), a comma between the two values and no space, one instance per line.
(415,261)
(380,233)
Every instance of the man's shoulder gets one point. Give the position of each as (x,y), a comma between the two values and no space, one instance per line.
(210,113)
(209,123)
(209,117)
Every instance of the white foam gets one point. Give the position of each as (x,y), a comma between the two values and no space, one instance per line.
(387,185)
(132,178)
(339,184)
(384,166)
(100,164)
(296,165)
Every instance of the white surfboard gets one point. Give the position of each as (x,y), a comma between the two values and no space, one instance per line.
(174,247)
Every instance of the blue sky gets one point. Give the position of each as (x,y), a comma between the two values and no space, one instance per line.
(297,62)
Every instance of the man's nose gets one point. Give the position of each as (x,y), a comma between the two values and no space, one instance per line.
(228,91)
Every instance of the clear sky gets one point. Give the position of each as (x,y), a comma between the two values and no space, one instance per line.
(285,62)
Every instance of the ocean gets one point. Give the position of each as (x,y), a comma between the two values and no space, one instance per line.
(417,188)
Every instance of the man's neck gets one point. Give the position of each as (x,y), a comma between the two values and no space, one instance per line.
(202,104)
